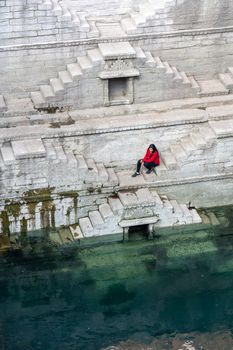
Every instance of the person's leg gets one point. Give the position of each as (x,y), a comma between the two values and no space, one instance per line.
(147,165)
(150,166)
(139,164)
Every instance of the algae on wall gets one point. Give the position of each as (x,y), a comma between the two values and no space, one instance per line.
(39,209)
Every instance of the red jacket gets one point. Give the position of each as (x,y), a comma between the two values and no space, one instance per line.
(152,157)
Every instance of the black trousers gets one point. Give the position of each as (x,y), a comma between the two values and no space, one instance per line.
(148,165)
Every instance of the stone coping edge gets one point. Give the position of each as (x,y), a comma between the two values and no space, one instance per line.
(111,189)
(129,38)
(72,133)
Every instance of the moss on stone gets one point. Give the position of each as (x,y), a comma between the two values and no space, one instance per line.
(5,222)
(13,209)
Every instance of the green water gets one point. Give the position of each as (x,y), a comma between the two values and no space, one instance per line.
(93,298)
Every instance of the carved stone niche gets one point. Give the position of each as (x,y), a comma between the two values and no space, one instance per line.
(118,82)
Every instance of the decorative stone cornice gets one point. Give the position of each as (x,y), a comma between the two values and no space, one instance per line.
(129,38)
(119,69)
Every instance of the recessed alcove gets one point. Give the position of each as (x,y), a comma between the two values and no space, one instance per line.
(118,91)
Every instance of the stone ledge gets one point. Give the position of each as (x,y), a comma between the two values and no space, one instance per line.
(134,37)
(137,222)
(108,190)
(107,125)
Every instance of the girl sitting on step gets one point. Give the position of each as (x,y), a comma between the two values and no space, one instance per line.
(150,160)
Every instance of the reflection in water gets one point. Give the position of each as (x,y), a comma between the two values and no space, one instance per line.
(162,293)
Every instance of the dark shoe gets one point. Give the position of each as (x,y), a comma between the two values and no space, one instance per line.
(149,171)
(135,174)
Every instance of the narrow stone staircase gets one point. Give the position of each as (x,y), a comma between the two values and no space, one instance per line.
(51,92)
(133,208)
(66,15)
(187,147)
(171,72)
(85,169)
(137,18)
(3,106)
(55,160)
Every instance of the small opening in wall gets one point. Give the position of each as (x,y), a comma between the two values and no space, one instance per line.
(138,232)
(118,91)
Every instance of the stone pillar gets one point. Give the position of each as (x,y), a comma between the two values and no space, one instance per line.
(125,234)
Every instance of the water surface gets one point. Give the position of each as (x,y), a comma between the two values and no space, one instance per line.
(90,299)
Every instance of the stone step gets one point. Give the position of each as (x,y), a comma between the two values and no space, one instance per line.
(65,235)
(168,68)
(47,92)
(116,205)
(57,85)
(75,18)
(220,112)
(187,145)
(57,10)
(93,32)
(187,214)
(96,219)
(158,200)
(95,57)
(212,88)
(127,198)
(161,169)
(38,99)
(207,133)
(102,172)
(138,18)
(61,156)
(222,128)
(178,152)
(86,227)
(159,64)
(3,106)
(166,203)
(106,212)
(50,151)
(146,10)
(227,80)
(145,196)
(82,165)
(92,174)
(85,27)
(213,219)
(112,177)
(150,59)
(24,149)
(140,54)
(230,70)
(128,25)
(8,154)
(196,219)
(71,159)
(76,232)
(177,208)
(152,177)
(185,78)
(177,75)
(84,62)
(194,83)
(198,140)
(169,160)
(65,12)
(65,77)
(74,70)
